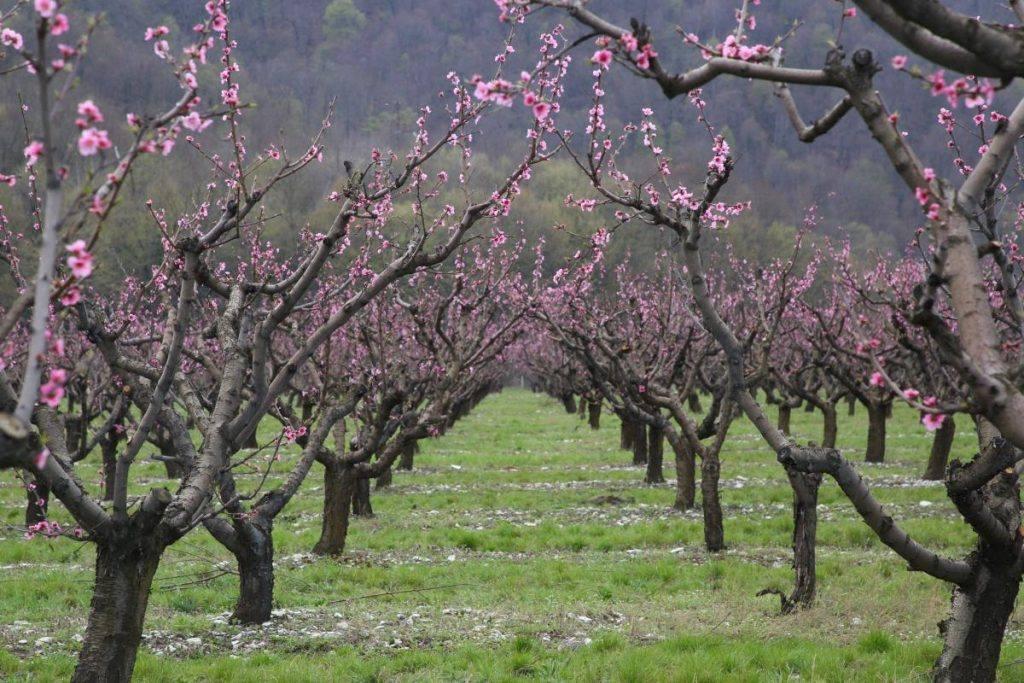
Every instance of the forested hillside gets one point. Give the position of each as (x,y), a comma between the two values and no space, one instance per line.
(299,56)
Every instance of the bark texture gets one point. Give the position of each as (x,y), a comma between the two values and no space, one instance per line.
(876,434)
(714,532)
(655,455)
(685,483)
(124,575)
(339,485)
(942,444)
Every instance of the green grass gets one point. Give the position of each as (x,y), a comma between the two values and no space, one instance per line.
(493,560)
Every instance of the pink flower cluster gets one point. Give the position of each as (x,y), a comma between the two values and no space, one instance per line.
(976,93)
(33,151)
(720,159)
(80,261)
(11,38)
(52,391)
(293,433)
(48,529)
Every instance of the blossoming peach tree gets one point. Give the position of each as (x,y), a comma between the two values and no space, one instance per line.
(970,262)
(205,344)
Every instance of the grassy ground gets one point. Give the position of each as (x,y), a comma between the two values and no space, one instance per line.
(498,559)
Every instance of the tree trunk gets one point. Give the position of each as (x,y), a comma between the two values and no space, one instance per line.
(685,484)
(639,443)
(626,434)
(37,500)
(581,408)
(876,433)
(383,479)
(408,455)
(694,401)
(361,506)
(714,534)
(108,449)
(339,485)
(942,444)
(785,413)
(805,533)
(124,574)
(569,403)
(655,455)
(74,430)
(174,469)
(831,428)
(973,634)
(256,571)
(851,406)
(594,414)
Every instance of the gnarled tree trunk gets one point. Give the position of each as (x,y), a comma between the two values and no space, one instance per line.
(594,414)
(655,455)
(569,403)
(639,443)
(785,415)
(383,479)
(714,533)
(124,574)
(831,426)
(685,480)
(361,506)
(405,461)
(876,433)
(255,556)
(693,400)
(942,444)
(626,434)
(339,485)
(805,533)
(108,449)
(973,634)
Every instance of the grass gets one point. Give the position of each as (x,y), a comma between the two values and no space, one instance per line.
(494,560)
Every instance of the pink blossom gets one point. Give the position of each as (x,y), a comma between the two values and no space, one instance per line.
(80,261)
(78,248)
(877,379)
(541,110)
(912,394)
(46,8)
(899,61)
(52,392)
(156,32)
(90,111)
(8,180)
(195,122)
(850,12)
(41,458)
(932,422)
(292,433)
(33,151)
(602,58)
(71,296)
(92,140)
(11,38)
(59,25)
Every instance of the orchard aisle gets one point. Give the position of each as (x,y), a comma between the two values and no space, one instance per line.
(524,543)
